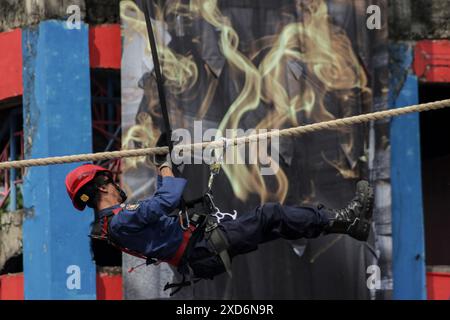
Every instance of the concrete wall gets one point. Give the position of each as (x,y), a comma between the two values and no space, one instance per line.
(109,286)
(411,24)
(102,11)
(17,14)
(10,236)
(57,121)
(419,19)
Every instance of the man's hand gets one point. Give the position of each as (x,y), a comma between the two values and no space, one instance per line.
(165,172)
(162,161)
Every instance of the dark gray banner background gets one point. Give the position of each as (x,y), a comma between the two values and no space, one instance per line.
(332,66)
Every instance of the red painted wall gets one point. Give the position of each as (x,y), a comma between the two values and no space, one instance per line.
(11,287)
(432,60)
(105,49)
(109,287)
(432,64)
(11,64)
(438,286)
(105,46)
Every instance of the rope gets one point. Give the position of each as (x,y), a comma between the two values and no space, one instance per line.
(296,131)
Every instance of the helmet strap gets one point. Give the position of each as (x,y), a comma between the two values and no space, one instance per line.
(108,180)
(122,193)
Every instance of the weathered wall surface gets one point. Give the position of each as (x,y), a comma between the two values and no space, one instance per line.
(56,98)
(16,14)
(419,19)
(102,11)
(10,236)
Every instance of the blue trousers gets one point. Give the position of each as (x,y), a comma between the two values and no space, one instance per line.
(268,222)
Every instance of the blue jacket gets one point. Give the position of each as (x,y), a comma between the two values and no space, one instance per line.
(145,226)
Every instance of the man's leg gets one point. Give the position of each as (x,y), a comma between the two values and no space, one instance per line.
(265,223)
(272,221)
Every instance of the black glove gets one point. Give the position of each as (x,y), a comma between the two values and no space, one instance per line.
(161,161)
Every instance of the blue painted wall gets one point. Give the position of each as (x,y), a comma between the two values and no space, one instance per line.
(407,204)
(57,121)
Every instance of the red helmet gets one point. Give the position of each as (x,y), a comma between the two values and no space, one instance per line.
(77,179)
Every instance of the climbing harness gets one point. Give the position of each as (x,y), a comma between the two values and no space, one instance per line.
(214,170)
(223,215)
(204,216)
(105,236)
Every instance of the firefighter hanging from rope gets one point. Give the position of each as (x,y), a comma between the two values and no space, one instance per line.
(199,240)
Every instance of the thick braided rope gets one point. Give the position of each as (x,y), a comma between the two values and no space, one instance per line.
(296,131)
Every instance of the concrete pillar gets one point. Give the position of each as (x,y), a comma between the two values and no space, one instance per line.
(57,121)
(406,178)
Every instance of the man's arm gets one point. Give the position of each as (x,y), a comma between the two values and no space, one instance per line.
(164,201)
(163,172)
(169,191)
(166,197)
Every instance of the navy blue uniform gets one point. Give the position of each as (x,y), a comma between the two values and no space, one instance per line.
(265,223)
(146,227)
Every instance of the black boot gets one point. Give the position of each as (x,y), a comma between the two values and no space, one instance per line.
(355,218)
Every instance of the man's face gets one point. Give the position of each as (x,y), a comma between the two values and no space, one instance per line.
(110,191)
(113,192)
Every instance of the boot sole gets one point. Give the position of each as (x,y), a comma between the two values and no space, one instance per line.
(360,229)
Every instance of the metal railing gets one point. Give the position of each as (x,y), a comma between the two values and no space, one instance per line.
(106,127)
(106,116)
(11,179)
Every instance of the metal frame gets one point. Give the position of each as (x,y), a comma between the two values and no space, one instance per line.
(106,114)
(9,152)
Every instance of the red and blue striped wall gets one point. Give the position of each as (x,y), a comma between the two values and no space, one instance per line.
(49,66)
(22,63)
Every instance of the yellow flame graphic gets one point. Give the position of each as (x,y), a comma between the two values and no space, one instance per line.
(321,50)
